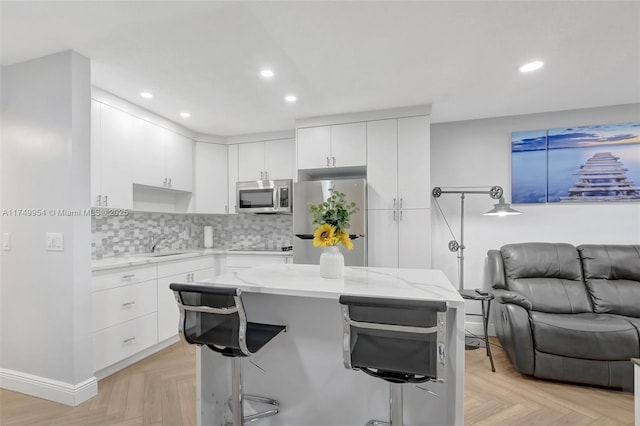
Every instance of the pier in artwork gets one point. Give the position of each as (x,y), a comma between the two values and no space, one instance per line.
(602,178)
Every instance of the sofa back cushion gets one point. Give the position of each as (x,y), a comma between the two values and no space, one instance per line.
(548,274)
(612,274)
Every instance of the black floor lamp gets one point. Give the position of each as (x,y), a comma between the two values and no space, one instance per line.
(501,208)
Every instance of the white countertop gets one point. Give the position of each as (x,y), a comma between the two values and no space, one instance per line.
(305,281)
(136,260)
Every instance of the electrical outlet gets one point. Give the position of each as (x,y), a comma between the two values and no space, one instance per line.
(6,241)
(55,241)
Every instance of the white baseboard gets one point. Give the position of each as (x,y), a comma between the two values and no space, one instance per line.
(477,329)
(53,390)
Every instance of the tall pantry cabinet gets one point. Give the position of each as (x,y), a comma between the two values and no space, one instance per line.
(398,177)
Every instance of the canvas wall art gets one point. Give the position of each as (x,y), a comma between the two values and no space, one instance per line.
(576,164)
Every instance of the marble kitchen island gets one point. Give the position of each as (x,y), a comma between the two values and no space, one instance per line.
(303,367)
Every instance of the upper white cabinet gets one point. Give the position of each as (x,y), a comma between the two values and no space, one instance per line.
(232,164)
(110,163)
(162,158)
(271,160)
(340,145)
(398,163)
(210,185)
(179,162)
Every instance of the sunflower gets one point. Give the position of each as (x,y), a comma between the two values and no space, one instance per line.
(345,240)
(325,235)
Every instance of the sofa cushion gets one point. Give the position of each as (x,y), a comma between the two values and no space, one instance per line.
(549,275)
(612,275)
(585,336)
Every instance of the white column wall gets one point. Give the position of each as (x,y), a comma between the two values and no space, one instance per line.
(46,295)
(478,152)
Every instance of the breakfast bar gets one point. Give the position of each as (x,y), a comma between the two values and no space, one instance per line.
(303,367)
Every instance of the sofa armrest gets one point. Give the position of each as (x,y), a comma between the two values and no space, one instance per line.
(507,296)
(495,267)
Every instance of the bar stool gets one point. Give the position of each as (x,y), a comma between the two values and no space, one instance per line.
(215,316)
(399,341)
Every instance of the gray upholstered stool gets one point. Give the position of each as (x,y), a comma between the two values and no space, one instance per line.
(215,316)
(400,341)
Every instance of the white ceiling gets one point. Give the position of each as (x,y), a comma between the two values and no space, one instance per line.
(338,57)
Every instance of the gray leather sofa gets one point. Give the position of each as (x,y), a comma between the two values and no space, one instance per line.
(569,313)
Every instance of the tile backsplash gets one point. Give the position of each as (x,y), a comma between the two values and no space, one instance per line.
(123,235)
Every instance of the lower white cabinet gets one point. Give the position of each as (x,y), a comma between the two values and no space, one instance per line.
(399,238)
(179,271)
(120,304)
(116,343)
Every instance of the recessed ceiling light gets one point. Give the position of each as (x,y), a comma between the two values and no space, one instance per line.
(146,95)
(290,98)
(185,115)
(531,66)
(266,73)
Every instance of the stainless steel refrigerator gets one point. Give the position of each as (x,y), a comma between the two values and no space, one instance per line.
(315,192)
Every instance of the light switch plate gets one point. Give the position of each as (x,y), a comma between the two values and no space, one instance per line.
(6,241)
(55,241)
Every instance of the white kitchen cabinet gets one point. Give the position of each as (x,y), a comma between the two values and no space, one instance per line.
(111,180)
(161,157)
(340,145)
(414,163)
(382,164)
(266,160)
(123,313)
(178,271)
(232,179)
(399,238)
(398,163)
(398,178)
(149,146)
(210,183)
(179,162)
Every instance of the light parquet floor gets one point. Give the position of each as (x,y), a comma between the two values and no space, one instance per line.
(160,390)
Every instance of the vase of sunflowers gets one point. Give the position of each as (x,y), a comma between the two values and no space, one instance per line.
(332,218)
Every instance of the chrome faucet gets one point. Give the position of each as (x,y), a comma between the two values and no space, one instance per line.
(154,242)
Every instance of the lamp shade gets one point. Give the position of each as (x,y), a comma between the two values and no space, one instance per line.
(502,209)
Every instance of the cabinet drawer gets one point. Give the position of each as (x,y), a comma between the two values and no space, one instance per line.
(116,305)
(116,343)
(111,278)
(166,269)
(251,260)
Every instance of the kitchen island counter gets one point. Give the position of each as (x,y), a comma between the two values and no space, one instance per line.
(303,367)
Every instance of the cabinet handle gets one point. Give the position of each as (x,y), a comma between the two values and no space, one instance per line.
(170,185)
(327,161)
(394,203)
(400,214)
(129,340)
(394,215)
(334,161)
(106,204)
(128,276)
(99,201)
(400,202)
(127,304)
(165,182)
(266,175)
(261,175)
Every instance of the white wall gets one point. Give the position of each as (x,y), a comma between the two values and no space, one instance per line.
(477,153)
(46,295)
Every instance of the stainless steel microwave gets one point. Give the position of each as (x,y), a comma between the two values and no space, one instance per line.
(264,196)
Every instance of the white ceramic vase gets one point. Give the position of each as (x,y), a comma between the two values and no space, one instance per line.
(331,263)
